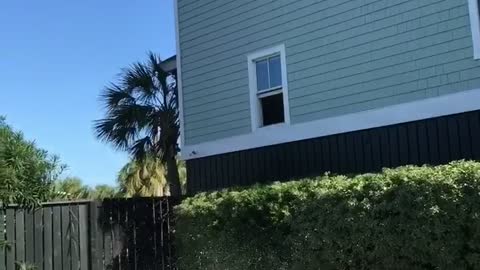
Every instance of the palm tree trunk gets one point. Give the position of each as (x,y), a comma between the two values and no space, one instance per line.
(173,178)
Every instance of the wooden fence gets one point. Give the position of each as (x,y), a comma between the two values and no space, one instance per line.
(85,235)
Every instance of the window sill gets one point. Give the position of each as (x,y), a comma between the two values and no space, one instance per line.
(271,128)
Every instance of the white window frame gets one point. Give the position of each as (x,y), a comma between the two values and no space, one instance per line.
(475,25)
(255,105)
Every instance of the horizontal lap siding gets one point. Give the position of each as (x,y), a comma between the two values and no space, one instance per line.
(433,141)
(343,56)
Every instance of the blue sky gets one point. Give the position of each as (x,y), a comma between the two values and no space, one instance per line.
(55,58)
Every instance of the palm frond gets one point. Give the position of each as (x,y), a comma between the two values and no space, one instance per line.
(109,131)
(114,96)
(124,125)
(155,65)
(143,178)
(141,148)
(137,77)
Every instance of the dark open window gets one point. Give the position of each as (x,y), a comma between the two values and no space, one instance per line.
(272,109)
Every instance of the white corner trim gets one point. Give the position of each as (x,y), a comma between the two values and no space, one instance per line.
(396,114)
(255,113)
(179,74)
(475,25)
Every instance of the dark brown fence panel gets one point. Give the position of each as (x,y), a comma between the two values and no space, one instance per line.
(130,225)
(29,241)
(96,236)
(107,235)
(115,234)
(83,222)
(19,235)
(2,238)
(432,141)
(134,233)
(10,230)
(47,238)
(39,256)
(65,237)
(57,237)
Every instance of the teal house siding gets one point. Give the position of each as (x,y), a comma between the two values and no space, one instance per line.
(343,56)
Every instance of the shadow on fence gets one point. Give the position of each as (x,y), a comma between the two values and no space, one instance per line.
(113,234)
(137,234)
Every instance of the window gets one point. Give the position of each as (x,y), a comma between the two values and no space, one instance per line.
(268,87)
(475,25)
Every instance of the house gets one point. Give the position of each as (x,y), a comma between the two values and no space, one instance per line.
(280,89)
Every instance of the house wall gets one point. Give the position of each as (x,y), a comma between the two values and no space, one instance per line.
(343,56)
(432,141)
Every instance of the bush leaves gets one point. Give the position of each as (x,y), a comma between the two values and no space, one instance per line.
(405,218)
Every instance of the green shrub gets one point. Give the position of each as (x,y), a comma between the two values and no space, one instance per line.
(405,218)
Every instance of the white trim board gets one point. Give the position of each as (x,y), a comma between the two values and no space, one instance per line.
(179,74)
(475,25)
(396,114)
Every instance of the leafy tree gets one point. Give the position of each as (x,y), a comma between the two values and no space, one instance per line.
(143,178)
(26,171)
(142,115)
(71,188)
(101,192)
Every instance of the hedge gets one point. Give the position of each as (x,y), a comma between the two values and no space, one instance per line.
(405,218)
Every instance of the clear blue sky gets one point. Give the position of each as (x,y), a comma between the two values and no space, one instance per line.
(55,58)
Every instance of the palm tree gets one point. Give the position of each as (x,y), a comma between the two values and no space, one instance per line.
(142,115)
(145,178)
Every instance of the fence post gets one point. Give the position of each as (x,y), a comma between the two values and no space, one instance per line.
(96,236)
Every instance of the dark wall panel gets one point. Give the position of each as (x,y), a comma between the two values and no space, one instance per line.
(432,141)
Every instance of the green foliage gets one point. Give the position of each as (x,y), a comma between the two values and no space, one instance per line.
(405,218)
(101,192)
(72,188)
(26,172)
(25,266)
(5,245)
(143,178)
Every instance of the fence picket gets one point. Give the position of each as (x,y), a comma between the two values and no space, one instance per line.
(96,236)
(83,236)
(122,217)
(29,241)
(47,238)
(38,239)
(117,237)
(74,238)
(57,237)
(130,232)
(10,259)
(19,235)
(107,234)
(2,238)
(66,237)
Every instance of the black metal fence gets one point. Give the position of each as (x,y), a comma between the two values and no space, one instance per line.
(85,235)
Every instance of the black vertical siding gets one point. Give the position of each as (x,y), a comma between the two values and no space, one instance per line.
(432,141)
